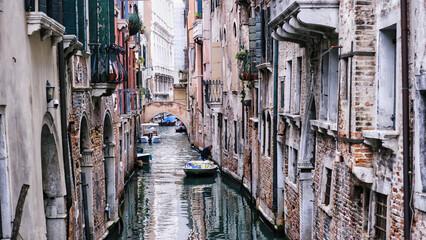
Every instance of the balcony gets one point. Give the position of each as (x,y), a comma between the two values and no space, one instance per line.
(247,70)
(198,31)
(302,21)
(48,27)
(213,91)
(107,70)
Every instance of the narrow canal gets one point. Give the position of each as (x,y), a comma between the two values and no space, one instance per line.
(161,203)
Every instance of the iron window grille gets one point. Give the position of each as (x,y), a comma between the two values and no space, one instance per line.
(327,193)
(381,216)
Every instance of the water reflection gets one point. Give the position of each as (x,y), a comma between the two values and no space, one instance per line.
(161,203)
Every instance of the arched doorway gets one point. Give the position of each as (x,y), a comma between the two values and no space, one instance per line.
(86,185)
(109,168)
(53,196)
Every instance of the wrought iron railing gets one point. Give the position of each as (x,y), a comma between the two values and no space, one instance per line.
(213,91)
(106,65)
(247,66)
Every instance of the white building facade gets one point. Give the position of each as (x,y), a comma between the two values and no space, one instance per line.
(162,46)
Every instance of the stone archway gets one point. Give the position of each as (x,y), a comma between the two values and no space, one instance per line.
(109,167)
(86,164)
(52,182)
(176,108)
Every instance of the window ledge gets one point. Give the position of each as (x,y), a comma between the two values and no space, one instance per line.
(291,118)
(122,25)
(48,27)
(324,127)
(326,209)
(71,44)
(291,184)
(381,138)
(364,174)
(264,67)
(255,120)
(420,201)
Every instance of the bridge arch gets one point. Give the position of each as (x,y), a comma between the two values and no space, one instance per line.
(176,108)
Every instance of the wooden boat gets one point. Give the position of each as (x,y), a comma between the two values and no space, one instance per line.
(149,133)
(181,128)
(200,168)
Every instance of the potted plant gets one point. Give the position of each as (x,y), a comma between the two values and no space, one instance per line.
(241,55)
(143,27)
(198,15)
(142,59)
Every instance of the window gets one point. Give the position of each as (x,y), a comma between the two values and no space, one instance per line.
(344,79)
(50,7)
(287,94)
(5,206)
(297,87)
(235,138)
(380,216)
(327,192)
(292,163)
(264,132)
(235,30)
(386,89)
(282,94)
(269,133)
(329,81)
(225,125)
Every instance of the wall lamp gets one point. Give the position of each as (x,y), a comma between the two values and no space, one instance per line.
(49,91)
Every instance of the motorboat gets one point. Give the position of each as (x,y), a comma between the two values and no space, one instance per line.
(200,168)
(149,133)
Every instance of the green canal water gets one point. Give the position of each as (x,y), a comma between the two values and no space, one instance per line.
(162,203)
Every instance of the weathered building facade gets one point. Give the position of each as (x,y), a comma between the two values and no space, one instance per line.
(76,172)
(314,116)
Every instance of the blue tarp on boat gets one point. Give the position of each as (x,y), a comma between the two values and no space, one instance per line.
(169,119)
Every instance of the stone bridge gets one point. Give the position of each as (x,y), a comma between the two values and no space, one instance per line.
(176,108)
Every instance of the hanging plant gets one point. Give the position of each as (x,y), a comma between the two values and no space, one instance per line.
(241,55)
(134,24)
(250,85)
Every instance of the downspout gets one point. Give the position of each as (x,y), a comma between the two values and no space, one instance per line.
(405,122)
(274,126)
(64,121)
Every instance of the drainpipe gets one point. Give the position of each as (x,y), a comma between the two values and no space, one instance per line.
(274,126)
(405,122)
(64,121)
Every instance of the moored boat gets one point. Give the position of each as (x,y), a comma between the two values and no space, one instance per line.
(200,168)
(149,133)
(142,157)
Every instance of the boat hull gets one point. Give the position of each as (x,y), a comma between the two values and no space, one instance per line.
(200,168)
(155,139)
(199,172)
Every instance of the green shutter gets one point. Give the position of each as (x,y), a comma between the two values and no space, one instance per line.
(81,6)
(93,21)
(70,17)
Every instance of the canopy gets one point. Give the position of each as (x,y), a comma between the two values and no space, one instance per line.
(170,119)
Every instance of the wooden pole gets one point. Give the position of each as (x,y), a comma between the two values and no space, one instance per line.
(19,210)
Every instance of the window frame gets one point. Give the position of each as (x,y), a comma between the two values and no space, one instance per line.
(381,206)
